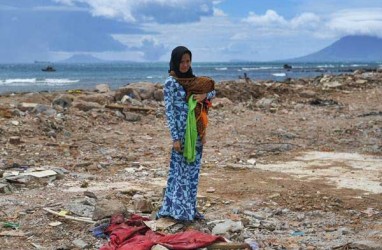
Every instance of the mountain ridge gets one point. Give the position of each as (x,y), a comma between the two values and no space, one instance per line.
(354,48)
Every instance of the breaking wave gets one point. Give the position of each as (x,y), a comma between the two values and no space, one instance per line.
(35,81)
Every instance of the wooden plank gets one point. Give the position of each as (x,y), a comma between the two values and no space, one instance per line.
(229,246)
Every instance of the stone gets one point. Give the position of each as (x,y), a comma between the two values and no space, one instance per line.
(256,215)
(228,226)
(365,245)
(65,101)
(101,99)
(265,103)
(25,106)
(251,161)
(159,247)
(132,93)
(145,89)
(132,101)
(80,209)
(132,117)
(333,84)
(143,205)
(158,95)
(5,188)
(80,244)
(221,102)
(308,94)
(44,109)
(14,140)
(361,81)
(86,106)
(106,208)
(102,88)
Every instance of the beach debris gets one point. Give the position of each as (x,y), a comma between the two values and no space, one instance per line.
(55,223)
(102,88)
(13,233)
(15,140)
(81,219)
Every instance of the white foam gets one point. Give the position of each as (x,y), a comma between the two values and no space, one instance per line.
(358,65)
(279,74)
(36,82)
(18,80)
(326,66)
(59,81)
(222,68)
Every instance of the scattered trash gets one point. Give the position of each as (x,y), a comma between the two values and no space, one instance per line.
(252,243)
(55,223)
(321,102)
(297,233)
(12,225)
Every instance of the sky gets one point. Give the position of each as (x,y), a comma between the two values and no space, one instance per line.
(148,30)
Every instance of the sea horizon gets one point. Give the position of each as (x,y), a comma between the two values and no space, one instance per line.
(29,77)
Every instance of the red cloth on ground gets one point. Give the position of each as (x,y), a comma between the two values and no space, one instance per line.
(132,235)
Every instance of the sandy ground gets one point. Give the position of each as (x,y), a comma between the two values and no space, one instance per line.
(300,158)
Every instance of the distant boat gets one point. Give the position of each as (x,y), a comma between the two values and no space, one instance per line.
(287,66)
(49,69)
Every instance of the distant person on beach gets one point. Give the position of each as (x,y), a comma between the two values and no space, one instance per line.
(187,99)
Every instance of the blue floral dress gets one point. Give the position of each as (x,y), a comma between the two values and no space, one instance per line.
(179,201)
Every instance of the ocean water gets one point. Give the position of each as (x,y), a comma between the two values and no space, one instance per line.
(30,77)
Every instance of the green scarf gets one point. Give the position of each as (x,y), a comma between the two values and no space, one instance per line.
(189,151)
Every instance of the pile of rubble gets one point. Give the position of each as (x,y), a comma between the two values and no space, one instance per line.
(70,160)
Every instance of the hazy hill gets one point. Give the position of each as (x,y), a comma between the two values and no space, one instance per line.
(82,59)
(348,49)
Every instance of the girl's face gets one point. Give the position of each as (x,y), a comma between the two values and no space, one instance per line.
(185,63)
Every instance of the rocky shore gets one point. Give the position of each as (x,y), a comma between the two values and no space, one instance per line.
(287,165)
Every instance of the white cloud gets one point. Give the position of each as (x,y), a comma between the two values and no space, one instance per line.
(219,37)
(271,18)
(58,8)
(306,20)
(143,10)
(219,12)
(356,21)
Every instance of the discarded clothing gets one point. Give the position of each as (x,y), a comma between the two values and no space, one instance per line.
(98,231)
(133,234)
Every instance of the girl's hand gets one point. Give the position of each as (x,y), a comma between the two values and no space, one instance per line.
(177,146)
(200,97)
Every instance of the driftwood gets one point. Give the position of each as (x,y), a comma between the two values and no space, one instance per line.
(130,108)
(229,246)
(81,219)
(13,233)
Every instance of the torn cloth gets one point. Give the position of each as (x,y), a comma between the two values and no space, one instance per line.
(135,235)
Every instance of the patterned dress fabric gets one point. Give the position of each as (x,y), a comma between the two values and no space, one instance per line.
(179,201)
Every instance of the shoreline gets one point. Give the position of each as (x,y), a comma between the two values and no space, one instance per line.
(71,77)
(283,159)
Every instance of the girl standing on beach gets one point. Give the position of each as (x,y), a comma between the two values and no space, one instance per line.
(181,89)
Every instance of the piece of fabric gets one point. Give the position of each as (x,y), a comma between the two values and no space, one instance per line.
(198,85)
(189,151)
(176,57)
(179,201)
(128,235)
